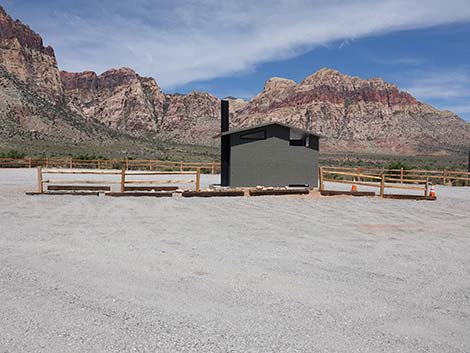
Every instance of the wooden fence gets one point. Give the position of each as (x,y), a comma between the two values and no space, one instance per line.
(125,181)
(402,175)
(382,181)
(393,175)
(130,164)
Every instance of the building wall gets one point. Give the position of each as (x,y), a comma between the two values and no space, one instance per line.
(272,162)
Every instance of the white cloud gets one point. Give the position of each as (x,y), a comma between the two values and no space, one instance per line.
(407,61)
(181,41)
(458,109)
(446,88)
(448,83)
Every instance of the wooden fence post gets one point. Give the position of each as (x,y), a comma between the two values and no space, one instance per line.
(127,164)
(123,179)
(71,163)
(30,162)
(47,162)
(444,178)
(213,167)
(320,175)
(382,186)
(181,166)
(426,187)
(150,164)
(40,184)
(198,179)
(401,175)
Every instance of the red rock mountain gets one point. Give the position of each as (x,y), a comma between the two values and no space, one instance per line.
(31,92)
(39,101)
(127,102)
(356,114)
(23,54)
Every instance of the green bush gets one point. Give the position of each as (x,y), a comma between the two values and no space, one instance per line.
(397,165)
(13,154)
(88,157)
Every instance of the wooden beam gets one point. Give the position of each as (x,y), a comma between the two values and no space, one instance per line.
(393,186)
(228,193)
(146,172)
(320,177)
(279,192)
(123,179)
(140,194)
(408,197)
(382,186)
(409,181)
(157,182)
(350,182)
(350,193)
(85,182)
(198,180)
(63,193)
(150,188)
(78,188)
(80,171)
(40,182)
(357,175)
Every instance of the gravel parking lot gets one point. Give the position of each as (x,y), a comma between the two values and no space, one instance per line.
(264,274)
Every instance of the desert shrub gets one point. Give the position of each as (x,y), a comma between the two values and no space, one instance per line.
(88,157)
(13,154)
(397,165)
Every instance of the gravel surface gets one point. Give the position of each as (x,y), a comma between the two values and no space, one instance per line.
(264,274)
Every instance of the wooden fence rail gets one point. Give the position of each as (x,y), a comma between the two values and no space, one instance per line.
(125,178)
(327,174)
(406,175)
(71,163)
(393,175)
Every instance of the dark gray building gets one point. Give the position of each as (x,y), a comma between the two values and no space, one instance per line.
(271,154)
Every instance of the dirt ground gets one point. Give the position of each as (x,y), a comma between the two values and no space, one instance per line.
(264,274)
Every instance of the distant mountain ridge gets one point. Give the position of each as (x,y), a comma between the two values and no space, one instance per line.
(358,115)
(41,102)
(130,103)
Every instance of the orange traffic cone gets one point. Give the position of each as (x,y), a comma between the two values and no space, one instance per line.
(432,193)
(354,187)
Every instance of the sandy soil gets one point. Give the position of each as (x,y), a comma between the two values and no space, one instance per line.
(265,274)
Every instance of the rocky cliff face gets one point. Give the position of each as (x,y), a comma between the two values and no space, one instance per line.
(125,101)
(356,114)
(25,116)
(23,54)
(120,99)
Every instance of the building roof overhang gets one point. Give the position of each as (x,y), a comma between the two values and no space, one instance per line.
(254,127)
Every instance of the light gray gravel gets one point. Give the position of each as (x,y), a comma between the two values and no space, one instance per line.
(267,274)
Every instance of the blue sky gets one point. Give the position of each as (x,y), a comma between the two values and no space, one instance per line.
(233,47)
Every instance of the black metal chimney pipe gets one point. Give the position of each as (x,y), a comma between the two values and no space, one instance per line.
(224,144)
